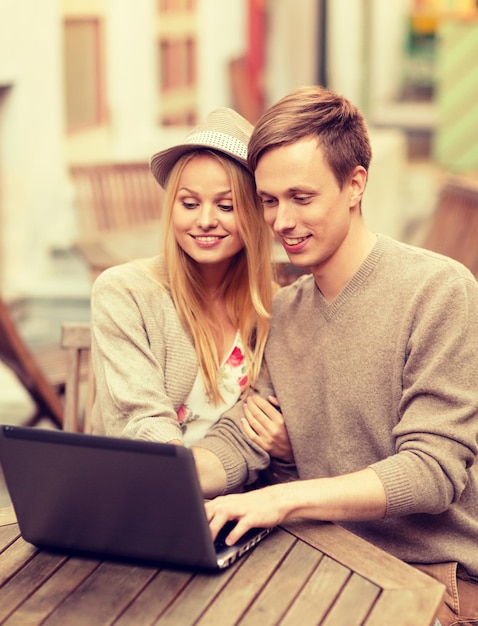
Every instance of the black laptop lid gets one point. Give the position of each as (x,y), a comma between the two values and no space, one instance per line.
(106,496)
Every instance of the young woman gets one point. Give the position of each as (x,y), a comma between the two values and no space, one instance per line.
(178,339)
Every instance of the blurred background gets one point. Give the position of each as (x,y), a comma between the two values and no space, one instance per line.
(87,86)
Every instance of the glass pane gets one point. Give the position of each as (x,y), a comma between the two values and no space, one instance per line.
(82,73)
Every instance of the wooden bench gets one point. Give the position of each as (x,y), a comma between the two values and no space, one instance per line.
(112,198)
(454,230)
(119,217)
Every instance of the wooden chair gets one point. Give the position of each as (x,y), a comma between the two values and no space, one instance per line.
(79,389)
(111,200)
(454,230)
(41,371)
(114,196)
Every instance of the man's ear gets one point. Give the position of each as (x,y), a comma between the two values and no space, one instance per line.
(357,184)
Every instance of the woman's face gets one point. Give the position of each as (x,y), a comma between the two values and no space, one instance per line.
(203,217)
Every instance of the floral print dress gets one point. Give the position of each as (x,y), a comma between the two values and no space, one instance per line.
(198,414)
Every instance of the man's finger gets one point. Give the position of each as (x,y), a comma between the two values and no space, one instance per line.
(257,421)
(269,409)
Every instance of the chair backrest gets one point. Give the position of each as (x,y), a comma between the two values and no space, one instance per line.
(111,201)
(15,353)
(454,231)
(79,389)
(114,196)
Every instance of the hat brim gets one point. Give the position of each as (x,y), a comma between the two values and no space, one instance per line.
(163,162)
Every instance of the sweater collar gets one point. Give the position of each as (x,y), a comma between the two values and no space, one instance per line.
(366,268)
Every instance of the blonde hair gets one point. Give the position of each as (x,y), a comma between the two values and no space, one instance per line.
(247,286)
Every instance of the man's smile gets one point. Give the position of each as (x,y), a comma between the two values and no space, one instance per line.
(293,241)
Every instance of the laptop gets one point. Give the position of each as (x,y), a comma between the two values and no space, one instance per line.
(114,498)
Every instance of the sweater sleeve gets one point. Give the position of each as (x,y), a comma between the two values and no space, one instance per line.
(242,460)
(130,342)
(436,436)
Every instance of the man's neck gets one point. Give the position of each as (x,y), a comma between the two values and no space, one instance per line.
(332,276)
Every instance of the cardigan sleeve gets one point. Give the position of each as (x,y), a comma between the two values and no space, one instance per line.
(142,358)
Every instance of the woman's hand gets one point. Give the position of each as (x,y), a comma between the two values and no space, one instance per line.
(264,425)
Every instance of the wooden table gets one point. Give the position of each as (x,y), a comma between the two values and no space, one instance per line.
(303,573)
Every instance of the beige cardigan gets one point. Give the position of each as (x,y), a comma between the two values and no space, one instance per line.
(144,361)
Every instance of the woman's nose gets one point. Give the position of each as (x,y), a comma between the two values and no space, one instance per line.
(207,217)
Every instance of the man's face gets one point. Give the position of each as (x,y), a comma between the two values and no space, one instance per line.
(303,203)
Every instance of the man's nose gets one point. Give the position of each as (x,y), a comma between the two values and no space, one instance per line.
(285,218)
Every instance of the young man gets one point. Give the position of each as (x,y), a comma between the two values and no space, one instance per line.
(373,358)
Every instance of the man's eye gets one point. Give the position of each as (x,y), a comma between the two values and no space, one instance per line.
(268,202)
(226,207)
(303,199)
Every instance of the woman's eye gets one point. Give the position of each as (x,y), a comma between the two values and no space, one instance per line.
(189,204)
(226,207)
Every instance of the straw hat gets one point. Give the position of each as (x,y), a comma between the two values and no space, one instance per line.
(223,130)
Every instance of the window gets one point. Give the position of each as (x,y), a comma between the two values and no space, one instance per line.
(84,93)
(177,58)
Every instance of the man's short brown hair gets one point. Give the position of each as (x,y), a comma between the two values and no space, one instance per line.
(315,111)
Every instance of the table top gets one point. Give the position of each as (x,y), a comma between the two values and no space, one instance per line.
(302,573)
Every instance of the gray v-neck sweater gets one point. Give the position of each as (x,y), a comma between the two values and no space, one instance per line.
(385,376)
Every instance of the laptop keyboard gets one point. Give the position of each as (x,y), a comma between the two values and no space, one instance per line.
(220,541)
